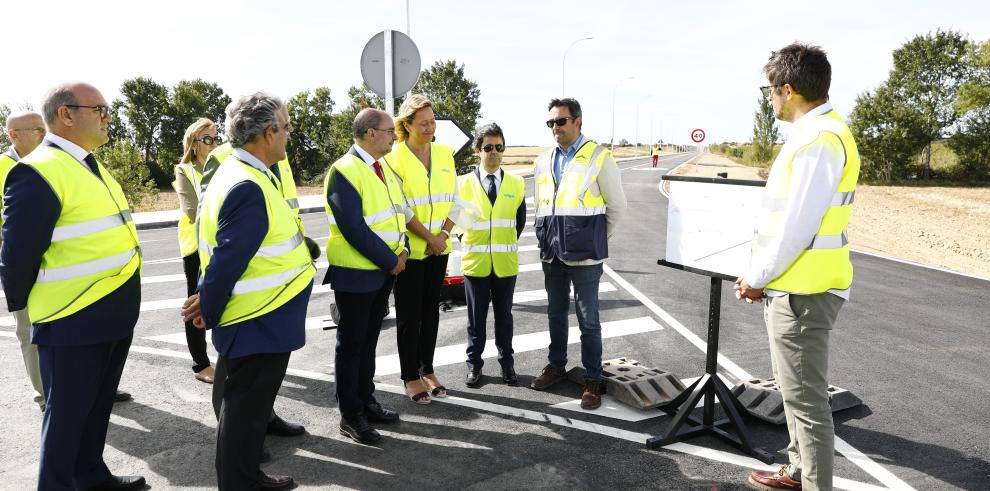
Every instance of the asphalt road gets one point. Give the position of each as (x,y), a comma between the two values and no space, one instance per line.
(912,344)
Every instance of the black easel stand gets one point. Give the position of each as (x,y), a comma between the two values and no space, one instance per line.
(709,386)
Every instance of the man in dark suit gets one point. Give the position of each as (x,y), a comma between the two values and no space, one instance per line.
(366,248)
(255,285)
(71,253)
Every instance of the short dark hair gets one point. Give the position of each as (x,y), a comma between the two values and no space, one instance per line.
(490,129)
(570,103)
(805,67)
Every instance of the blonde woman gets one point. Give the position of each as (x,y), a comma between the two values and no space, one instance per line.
(429,184)
(200,138)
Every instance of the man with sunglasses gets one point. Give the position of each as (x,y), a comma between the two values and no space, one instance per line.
(579,201)
(71,255)
(493,216)
(800,258)
(25,130)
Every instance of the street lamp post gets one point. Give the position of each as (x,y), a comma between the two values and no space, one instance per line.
(645,99)
(563,62)
(614,90)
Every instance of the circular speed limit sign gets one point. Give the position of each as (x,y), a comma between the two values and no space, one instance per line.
(698,135)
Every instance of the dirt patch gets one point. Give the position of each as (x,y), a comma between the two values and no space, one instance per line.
(946,227)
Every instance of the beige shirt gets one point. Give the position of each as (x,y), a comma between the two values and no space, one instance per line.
(187,193)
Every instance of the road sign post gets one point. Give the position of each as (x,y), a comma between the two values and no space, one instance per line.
(698,135)
(390,65)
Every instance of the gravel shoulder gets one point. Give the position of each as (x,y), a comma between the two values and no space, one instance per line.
(945,227)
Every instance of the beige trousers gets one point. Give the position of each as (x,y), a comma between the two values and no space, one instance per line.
(799,326)
(30,354)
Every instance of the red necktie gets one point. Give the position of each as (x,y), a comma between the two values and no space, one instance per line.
(378,170)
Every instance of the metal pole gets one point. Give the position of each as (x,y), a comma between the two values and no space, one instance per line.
(408,32)
(563,65)
(389,94)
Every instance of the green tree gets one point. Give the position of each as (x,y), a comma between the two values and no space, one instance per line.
(122,159)
(972,142)
(928,71)
(888,134)
(4,139)
(118,129)
(145,106)
(765,133)
(189,100)
(312,145)
(454,97)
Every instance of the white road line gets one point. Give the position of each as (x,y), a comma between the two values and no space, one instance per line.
(863,461)
(912,263)
(456,353)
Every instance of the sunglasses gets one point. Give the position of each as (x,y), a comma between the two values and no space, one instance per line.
(210,140)
(498,148)
(559,121)
(103,108)
(765,90)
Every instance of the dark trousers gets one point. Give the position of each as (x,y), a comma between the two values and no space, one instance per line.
(195,338)
(361,317)
(479,291)
(80,383)
(252,382)
(417,314)
(219,382)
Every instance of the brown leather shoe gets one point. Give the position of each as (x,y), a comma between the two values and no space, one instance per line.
(769,480)
(550,376)
(205,375)
(592,396)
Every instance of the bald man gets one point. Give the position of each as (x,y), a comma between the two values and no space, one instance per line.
(71,254)
(26,130)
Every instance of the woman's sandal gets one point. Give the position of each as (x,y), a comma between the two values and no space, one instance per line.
(420,397)
(437,390)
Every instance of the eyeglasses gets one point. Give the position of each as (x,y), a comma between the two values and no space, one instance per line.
(498,147)
(287,127)
(559,121)
(765,90)
(390,130)
(211,140)
(39,130)
(103,108)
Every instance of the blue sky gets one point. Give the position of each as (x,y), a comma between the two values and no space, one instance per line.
(695,64)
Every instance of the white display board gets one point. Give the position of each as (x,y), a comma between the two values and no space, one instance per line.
(710,223)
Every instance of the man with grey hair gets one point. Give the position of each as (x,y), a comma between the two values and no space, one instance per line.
(254,289)
(367,247)
(25,129)
(71,255)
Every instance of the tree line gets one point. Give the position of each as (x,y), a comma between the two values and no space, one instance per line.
(937,94)
(150,119)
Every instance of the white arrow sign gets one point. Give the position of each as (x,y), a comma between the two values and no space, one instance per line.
(451,134)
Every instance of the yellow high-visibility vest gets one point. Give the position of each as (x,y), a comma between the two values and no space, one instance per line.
(430,195)
(570,216)
(6,163)
(382,206)
(94,248)
(491,241)
(825,264)
(280,269)
(187,228)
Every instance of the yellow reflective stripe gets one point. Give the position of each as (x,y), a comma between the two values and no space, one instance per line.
(115,261)
(293,203)
(494,223)
(579,211)
(431,198)
(284,247)
(490,248)
(76,230)
(266,282)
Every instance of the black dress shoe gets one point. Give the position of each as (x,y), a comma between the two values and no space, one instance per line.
(119,482)
(473,378)
(378,414)
(358,429)
(509,376)
(275,482)
(281,427)
(121,396)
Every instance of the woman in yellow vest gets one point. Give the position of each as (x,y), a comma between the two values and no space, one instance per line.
(200,138)
(429,184)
